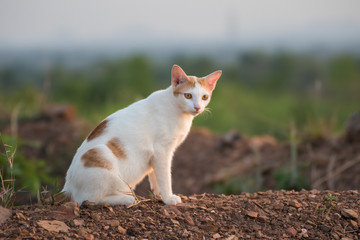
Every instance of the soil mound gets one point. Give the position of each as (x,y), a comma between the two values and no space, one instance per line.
(264,215)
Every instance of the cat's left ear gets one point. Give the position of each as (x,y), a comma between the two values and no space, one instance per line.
(212,79)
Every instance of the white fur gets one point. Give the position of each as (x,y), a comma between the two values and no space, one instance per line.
(150,131)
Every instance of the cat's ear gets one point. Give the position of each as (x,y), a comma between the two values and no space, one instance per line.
(212,79)
(178,76)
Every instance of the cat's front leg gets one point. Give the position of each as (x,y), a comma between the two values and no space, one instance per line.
(153,183)
(162,170)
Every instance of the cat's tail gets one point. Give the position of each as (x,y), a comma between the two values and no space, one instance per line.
(64,195)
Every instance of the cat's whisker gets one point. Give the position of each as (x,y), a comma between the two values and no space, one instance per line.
(207,112)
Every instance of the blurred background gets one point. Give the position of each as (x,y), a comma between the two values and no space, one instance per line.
(291,71)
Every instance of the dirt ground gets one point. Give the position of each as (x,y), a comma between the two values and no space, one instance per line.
(263,215)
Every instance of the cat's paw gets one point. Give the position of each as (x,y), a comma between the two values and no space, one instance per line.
(172,200)
(129,200)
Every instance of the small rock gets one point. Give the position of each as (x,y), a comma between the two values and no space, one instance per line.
(314,191)
(251,214)
(185,233)
(66,211)
(259,234)
(278,206)
(175,222)
(216,236)
(209,227)
(166,213)
(232,237)
(349,213)
(78,222)
(263,218)
(83,233)
(20,216)
(346,238)
(4,214)
(121,230)
(189,220)
(108,206)
(175,209)
(186,198)
(54,226)
(254,196)
(112,223)
(304,233)
(354,224)
(325,228)
(291,231)
(96,217)
(335,236)
(295,204)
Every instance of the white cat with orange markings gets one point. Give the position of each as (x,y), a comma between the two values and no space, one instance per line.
(138,140)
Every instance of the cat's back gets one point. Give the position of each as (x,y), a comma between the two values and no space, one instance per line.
(139,113)
(135,120)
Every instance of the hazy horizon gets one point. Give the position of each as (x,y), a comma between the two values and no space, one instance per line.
(179,25)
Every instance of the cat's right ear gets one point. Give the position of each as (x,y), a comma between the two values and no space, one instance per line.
(178,76)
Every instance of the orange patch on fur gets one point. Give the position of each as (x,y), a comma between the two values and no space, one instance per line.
(190,83)
(203,83)
(94,158)
(98,130)
(117,148)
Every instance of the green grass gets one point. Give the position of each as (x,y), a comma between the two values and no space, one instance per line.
(257,112)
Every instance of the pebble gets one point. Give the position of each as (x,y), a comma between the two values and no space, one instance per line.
(112,223)
(78,222)
(349,213)
(96,217)
(216,236)
(259,234)
(251,214)
(354,224)
(295,204)
(291,231)
(121,230)
(4,214)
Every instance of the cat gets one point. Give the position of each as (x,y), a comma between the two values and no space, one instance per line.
(139,140)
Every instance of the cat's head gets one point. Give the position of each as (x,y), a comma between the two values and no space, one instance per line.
(193,93)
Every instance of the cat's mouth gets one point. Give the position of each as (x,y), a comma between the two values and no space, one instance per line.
(196,112)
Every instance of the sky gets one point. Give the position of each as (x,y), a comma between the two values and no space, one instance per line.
(26,24)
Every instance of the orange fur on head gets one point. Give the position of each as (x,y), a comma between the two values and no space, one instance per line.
(203,83)
(181,88)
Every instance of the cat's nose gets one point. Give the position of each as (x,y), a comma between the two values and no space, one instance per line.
(197,108)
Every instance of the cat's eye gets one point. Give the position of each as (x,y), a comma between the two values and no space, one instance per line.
(205,97)
(188,95)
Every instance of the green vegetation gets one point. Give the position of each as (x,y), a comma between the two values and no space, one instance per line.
(7,179)
(258,93)
(329,202)
(18,172)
